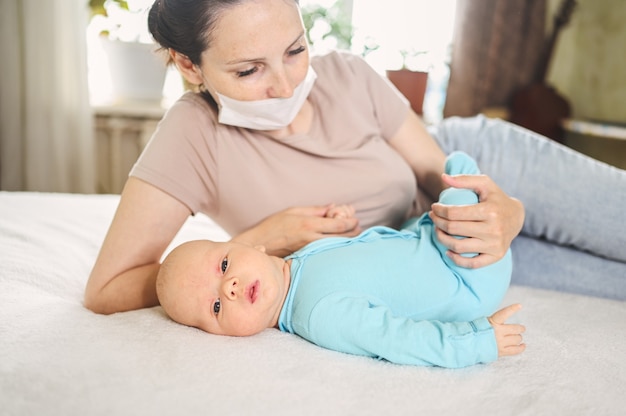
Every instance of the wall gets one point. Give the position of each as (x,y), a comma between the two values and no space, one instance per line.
(589,64)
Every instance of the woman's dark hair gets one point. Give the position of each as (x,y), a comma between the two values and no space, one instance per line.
(186,26)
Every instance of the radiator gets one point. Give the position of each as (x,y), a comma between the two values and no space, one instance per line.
(121,134)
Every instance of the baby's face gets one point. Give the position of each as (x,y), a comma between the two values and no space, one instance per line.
(225,288)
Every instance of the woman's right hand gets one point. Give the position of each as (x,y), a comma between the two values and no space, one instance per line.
(291,229)
(490,226)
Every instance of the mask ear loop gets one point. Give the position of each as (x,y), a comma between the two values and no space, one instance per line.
(204,91)
(208,97)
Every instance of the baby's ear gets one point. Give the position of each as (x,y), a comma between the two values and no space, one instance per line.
(260,248)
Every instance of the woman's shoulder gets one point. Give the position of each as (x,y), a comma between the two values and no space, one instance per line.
(343,74)
(192,107)
(339,63)
(190,120)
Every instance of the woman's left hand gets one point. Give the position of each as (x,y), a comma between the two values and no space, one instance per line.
(490,226)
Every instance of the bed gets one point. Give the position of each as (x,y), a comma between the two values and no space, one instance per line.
(58,358)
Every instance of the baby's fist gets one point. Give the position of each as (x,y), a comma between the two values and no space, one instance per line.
(340,211)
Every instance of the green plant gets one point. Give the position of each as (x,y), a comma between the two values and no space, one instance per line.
(332,22)
(123,20)
(416,60)
(98,7)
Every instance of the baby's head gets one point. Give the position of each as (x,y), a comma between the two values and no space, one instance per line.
(223,288)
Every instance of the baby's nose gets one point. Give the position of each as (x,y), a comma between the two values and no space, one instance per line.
(230,288)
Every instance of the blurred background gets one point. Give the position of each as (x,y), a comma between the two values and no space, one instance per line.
(74,119)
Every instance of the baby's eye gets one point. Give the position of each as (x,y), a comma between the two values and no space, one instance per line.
(217,306)
(224,264)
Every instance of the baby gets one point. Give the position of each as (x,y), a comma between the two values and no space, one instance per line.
(389,294)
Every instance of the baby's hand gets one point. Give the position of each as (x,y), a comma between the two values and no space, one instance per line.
(340,211)
(508,336)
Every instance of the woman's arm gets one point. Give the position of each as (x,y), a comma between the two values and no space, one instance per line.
(147,219)
(491,225)
(422,153)
(124,274)
(291,229)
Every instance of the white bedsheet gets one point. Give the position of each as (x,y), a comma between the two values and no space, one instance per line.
(57,358)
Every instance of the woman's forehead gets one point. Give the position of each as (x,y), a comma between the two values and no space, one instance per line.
(250,29)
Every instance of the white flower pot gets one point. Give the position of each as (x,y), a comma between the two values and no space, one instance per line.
(137,70)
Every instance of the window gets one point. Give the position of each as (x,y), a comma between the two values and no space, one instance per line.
(127,26)
(393,33)
(383,32)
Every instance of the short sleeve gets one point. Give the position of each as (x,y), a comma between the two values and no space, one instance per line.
(179,158)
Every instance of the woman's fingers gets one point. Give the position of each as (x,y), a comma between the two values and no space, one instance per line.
(312,220)
(474,262)
(480,184)
(489,226)
(340,226)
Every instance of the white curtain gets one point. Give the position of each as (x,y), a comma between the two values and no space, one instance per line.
(46,125)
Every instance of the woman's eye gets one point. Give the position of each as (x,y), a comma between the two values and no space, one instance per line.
(224,265)
(297,51)
(217,306)
(247,72)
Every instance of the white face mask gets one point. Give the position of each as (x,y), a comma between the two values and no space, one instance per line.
(268,114)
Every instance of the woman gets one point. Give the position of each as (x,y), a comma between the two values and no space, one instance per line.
(275,138)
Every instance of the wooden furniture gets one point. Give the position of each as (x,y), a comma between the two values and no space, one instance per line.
(604,141)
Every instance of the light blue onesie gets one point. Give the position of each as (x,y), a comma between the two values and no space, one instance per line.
(394,295)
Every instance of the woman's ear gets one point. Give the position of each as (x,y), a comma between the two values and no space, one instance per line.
(188,70)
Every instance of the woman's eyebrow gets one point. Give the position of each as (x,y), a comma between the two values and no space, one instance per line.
(249,60)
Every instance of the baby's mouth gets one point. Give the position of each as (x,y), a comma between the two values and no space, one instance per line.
(252,291)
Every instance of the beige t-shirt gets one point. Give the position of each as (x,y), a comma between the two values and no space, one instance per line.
(238,176)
